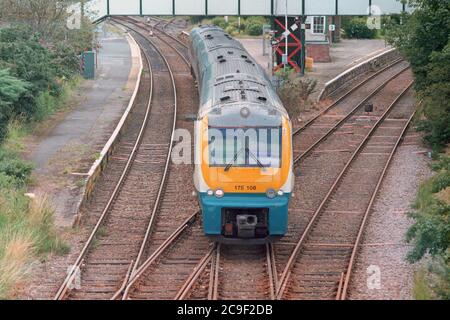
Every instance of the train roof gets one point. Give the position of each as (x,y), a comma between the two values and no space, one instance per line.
(232,75)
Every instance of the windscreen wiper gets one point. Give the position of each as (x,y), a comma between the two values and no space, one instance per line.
(247,150)
(229,165)
(255,158)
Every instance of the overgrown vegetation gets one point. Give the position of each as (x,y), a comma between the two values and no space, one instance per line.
(26,224)
(423,38)
(295,91)
(430,233)
(39,64)
(252,26)
(356,28)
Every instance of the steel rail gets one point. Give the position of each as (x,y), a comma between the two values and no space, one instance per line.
(142,25)
(213,290)
(138,270)
(124,290)
(196,273)
(342,294)
(167,163)
(347,116)
(213,257)
(345,95)
(270,260)
(79,261)
(288,268)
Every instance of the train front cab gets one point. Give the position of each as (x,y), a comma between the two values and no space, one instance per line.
(246,202)
(246,218)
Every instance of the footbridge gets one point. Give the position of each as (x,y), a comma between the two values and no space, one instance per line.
(105,8)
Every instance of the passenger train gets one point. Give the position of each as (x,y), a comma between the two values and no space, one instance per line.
(243,143)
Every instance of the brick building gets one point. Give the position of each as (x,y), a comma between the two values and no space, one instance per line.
(319,37)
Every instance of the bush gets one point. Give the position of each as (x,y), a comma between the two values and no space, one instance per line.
(13,167)
(11,90)
(231,30)
(357,28)
(295,91)
(255,29)
(430,232)
(220,22)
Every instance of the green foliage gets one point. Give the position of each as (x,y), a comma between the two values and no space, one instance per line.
(33,87)
(423,38)
(421,288)
(294,91)
(29,61)
(255,29)
(356,27)
(220,22)
(11,89)
(430,232)
(14,169)
(252,25)
(26,225)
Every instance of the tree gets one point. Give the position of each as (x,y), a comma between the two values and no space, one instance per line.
(46,17)
(11,89)
(423,39)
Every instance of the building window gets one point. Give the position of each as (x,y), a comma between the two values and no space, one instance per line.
(318,25)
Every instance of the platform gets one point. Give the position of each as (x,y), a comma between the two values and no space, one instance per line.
(66,151)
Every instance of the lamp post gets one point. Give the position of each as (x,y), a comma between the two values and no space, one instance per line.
(287,35)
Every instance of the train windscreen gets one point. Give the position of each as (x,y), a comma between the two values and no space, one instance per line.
(245,147)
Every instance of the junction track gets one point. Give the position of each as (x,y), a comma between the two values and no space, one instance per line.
(166,256)
(129,213)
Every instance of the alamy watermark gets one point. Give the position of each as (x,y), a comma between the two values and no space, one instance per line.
(373,277)
(374,18)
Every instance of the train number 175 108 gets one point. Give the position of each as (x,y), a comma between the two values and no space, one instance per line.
(242,187)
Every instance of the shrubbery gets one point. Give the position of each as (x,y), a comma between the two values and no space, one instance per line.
(430,232)
(252,26)
(11,91)
(38,64)
(356,27)
(255,29)
(295,91)
(32,76)
(423,38)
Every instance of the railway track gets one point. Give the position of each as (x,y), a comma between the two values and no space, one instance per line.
(319,265)
(112,248)
(251,272)
(232,272)
(325,123)
(172,252)
(176,261)
(170,40)
(173,269)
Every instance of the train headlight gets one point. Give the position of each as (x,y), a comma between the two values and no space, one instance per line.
(210,193)
(280,193)
(219,193)
(271,193)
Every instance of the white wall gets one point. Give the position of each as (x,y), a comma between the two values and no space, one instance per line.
(256,7)
(157,7)
(189,7)
(222,7)
(352,7)
(120,7)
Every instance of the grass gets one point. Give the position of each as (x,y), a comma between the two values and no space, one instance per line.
(47,104)
(27,230)
(430,233)
(421,290)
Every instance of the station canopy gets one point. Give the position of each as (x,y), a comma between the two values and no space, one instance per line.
(102,8)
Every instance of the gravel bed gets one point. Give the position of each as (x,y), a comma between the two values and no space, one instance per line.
(384,247)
